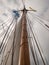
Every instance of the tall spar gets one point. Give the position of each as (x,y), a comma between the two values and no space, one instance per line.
(24,50)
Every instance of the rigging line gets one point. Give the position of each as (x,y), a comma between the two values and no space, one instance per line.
(6,55)
(34,46)
(17,44)
(14,47)
(6,33)
(35,53)
(40,47)
(5,41)
(33,28)
(10,50)
(43,25)
(17,41)
(4,26)
(37,44)
(40,20)
(4,44)
(5,47)
(38,17)
(41,50)
(7,58)
(17,37)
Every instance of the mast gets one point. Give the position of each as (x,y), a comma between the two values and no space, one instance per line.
(24,49)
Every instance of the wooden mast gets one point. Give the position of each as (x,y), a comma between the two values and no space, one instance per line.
(24,49)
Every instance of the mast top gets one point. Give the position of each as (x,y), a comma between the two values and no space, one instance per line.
(24,10)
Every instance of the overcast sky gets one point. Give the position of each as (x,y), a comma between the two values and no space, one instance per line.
(42,7)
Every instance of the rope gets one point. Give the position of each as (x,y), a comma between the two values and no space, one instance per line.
(8,53)
(2,45)
(33,50)
(7,42)
(37,62)
(41,22)
(13,45)
(37,44)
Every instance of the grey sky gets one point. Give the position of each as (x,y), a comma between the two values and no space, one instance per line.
(42,7)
